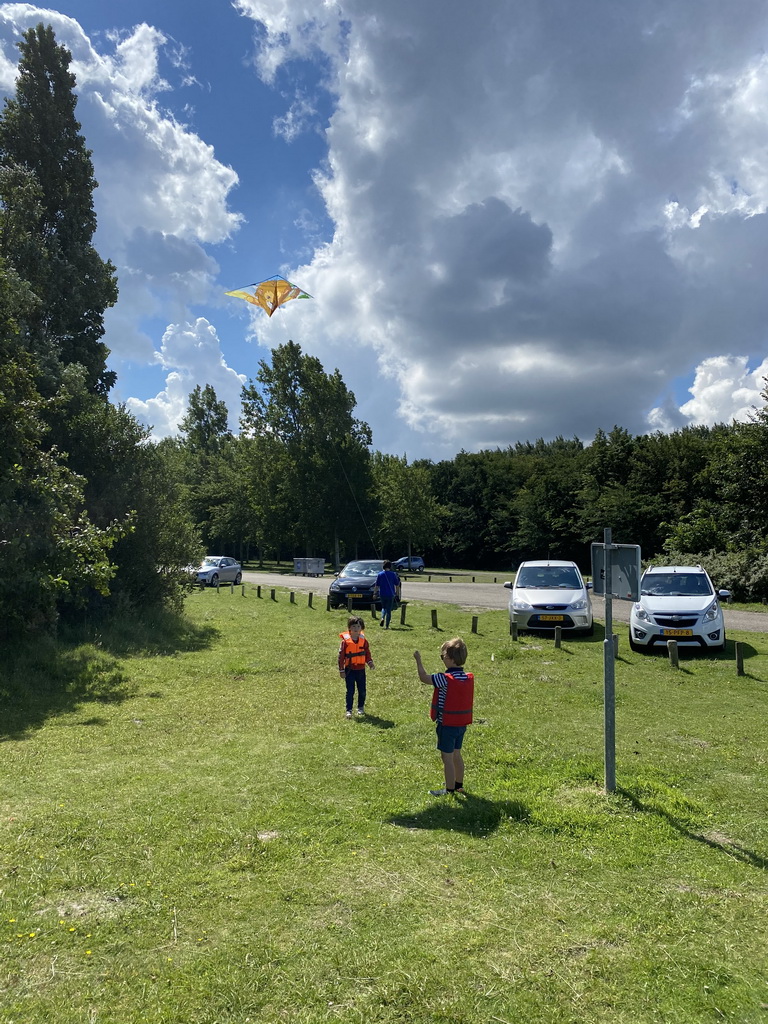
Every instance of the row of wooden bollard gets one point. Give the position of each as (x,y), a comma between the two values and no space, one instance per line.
(672,648)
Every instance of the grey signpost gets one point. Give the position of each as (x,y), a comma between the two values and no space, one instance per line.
(615,573)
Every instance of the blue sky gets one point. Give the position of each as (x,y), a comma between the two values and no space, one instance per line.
(542,221)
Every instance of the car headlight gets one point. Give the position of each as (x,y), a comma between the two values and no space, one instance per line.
(642,614)
(580,605)
(711,612)
(520,605)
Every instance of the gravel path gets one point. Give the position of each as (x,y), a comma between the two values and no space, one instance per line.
(480,596)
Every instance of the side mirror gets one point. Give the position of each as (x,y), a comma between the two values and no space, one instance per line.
(589,586)
(509,585)
(724,593)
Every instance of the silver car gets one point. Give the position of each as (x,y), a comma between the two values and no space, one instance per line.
(219,569)
(678,602)
(550,593)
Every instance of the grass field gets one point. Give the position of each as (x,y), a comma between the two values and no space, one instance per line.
(191,832)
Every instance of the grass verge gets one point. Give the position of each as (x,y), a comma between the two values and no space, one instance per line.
(192,832)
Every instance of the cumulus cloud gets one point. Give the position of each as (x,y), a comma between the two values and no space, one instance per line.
(724,389)
(191,352)
(541,222)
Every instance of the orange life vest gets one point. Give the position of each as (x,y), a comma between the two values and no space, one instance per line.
(354,653)
(459,698)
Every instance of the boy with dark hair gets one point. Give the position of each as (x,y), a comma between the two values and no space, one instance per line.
(452,701)
(354,655)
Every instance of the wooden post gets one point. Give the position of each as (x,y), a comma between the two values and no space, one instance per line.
(231,589)
(402,614)
(513,630)
(328,603)
(615,645)
(474,623)
(258,590)
(243,590)
(373,611)
(739,648)
(309,599)
(473,579)
(434,618)
(217,588)
(558,635)
(293,597)
(673,653)
(272,595)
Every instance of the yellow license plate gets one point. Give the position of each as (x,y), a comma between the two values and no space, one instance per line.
(550,618)
(354,595)
(677,632)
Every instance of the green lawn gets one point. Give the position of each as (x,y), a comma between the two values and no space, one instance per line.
(191,832)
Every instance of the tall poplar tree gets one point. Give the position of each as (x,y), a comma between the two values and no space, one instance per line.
(39,133)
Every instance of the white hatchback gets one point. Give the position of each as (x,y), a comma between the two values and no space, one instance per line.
(677,602)
(550,593)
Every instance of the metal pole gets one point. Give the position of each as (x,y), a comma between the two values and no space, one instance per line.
(609,674)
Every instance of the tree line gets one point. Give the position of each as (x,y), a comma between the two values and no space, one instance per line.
(95,515)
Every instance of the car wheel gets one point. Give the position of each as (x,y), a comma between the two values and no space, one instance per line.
(421,568)
(589,631)
(214,580)
(719,648)
(633,646)
(238,579)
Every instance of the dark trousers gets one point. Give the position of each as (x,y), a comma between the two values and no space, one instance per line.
(355,677)
(386,609)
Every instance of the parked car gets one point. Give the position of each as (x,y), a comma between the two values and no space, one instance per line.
(550,593)
(356,583)
(414,562)
(677,602)
(218,569)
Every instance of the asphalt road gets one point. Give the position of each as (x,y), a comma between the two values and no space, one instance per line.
(482,596)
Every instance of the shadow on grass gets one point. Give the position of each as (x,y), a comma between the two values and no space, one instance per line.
(466,813)
(377,723)
(47,677)
(715,842)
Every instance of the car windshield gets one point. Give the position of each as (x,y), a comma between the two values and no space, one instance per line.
(361,569)
(210,560)
(675,584)
(549,577)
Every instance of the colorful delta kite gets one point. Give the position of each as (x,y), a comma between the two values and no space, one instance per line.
(271,294)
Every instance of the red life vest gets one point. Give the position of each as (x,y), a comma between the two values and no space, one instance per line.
(354,653)
(459,698)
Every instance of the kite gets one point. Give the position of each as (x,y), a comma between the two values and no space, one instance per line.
(271,294)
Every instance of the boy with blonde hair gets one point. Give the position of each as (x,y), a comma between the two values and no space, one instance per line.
(453,693)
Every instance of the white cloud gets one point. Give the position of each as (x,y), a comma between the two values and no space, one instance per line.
(541,221)
(191,352)
(723,390)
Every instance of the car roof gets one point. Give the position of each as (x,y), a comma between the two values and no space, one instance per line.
(540,563)
(675,568)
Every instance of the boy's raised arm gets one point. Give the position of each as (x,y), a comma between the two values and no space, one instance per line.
(424,676)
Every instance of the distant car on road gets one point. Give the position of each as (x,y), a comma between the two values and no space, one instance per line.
(356,584)
(414,562)
(218,569)
(677,602)
(550,593)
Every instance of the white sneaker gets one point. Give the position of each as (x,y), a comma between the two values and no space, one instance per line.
(438,792)
(348,714)
(360,713)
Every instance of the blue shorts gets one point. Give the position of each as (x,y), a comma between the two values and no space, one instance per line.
(450,738)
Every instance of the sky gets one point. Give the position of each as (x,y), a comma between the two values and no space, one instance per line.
(516,221)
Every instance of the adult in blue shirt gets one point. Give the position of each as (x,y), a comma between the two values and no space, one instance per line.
(388,583)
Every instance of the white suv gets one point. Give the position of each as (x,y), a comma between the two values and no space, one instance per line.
(550,593)
(677,602)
